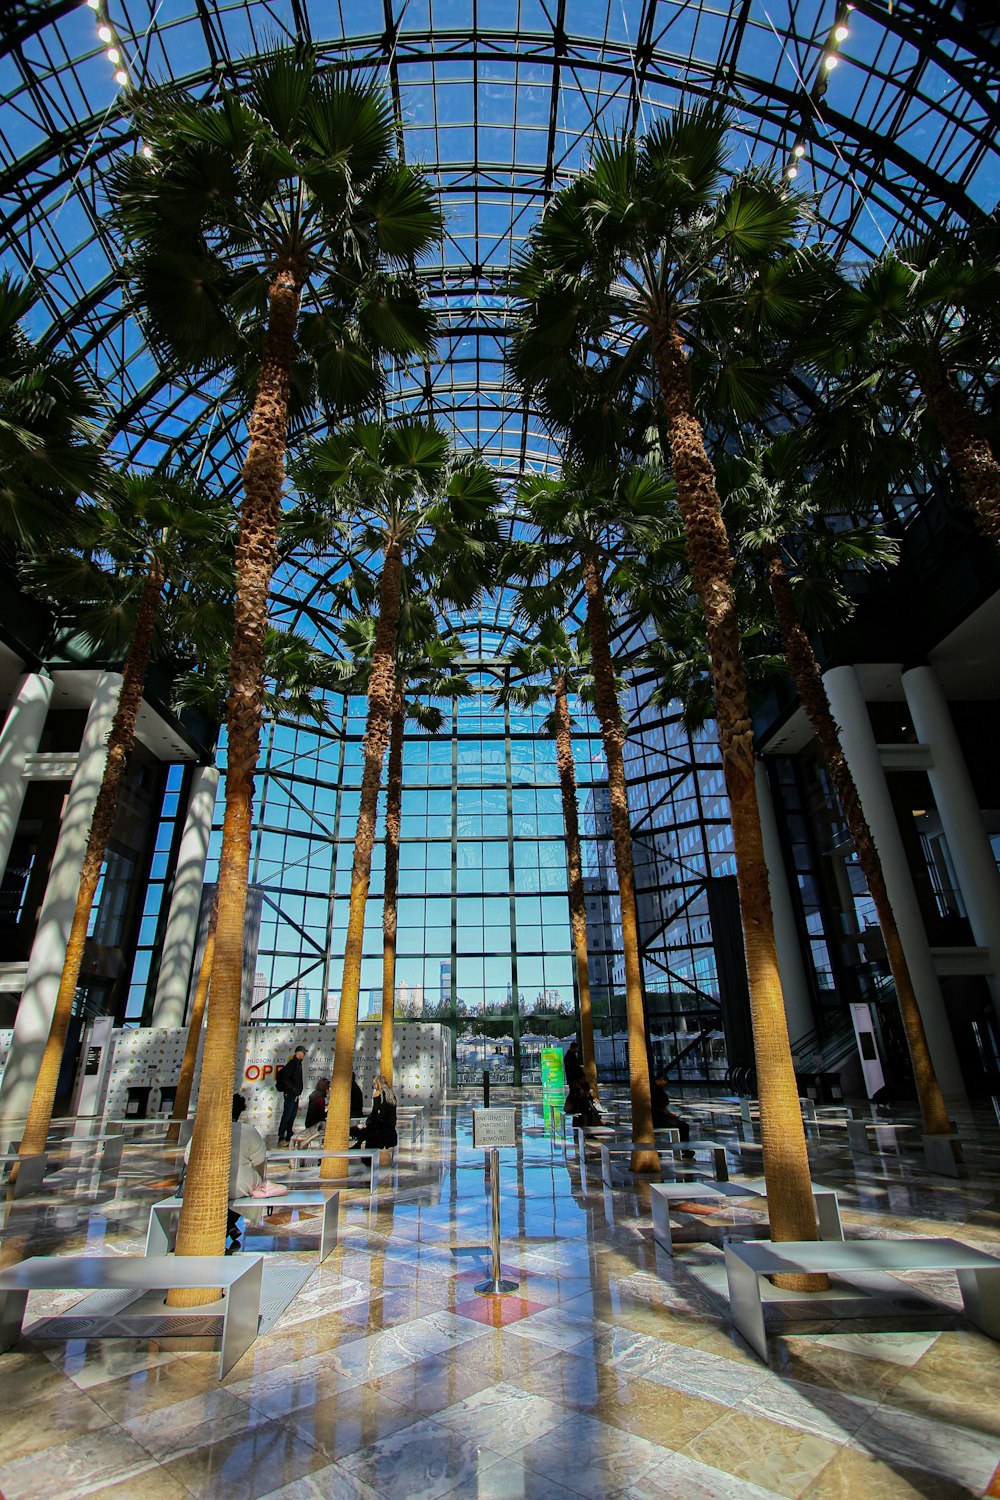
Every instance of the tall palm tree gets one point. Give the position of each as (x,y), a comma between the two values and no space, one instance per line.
(296,678)
(552,666)
(390,493)
(427,666)
(429,669)
(649,259)
(153,532)
(924,319)
(49,413)
(804,559)
(584,521)
(268,236)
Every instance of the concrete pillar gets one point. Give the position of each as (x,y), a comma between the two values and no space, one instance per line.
(185,903)
(794,983)
(48,952)
(861,750)
(19,738)
(958,809)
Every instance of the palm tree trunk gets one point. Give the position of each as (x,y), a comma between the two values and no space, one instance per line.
(574,866)
(786,1161)
(202,1226)
(381,693)
(805,672)
(120,743)
(393,808)
(182,1098)
(606,703)
(968,449)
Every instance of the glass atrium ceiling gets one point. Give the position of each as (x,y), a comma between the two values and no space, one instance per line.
(497,99)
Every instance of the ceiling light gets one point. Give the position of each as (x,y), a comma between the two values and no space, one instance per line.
(121,76)
(105,33)
(830,61)
(799,150)
(94,4)
(841,32)
(147,152)
(792,172)
(114,55)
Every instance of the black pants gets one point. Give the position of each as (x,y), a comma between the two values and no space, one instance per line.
(288,1113)
(670,1121)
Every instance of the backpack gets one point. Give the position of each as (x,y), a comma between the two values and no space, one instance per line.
(279,1078)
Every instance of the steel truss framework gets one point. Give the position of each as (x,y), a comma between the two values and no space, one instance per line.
(497,100)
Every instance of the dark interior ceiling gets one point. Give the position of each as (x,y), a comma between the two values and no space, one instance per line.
(497,99)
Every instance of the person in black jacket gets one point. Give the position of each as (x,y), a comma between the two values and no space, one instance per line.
(573,1066)
(380,1127)
(357,1099)
(292,1084)
(316,1104)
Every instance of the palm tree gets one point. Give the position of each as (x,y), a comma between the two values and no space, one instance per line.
(927,314)
(641,259)
(48,430)
(269,235)
(431,668)
(427,666)
(805,560)
(553,666)
(390,493)
(296,677)
(584,522)
(153,532)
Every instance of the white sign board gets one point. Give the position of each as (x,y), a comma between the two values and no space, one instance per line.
(492,1127)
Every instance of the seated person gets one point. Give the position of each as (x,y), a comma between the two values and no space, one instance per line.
(316,1105)
(247,1169)
(380,1127)
(581,1104)
(663,1116)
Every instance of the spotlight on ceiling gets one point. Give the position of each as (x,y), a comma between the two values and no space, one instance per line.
(830,61)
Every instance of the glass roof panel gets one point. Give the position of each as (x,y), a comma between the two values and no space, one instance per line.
(498,99)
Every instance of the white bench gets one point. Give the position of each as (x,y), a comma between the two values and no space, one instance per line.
(162,1231)
(664,1148)
(318,1154)
(665,1194)
(239,1278)
(747,1261)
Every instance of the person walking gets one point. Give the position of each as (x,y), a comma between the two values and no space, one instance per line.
(291,1084)
(357,1099)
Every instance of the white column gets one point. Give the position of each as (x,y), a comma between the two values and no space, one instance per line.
(961,820)
(19,738)
(861,750)
(48,952)
(185,903)
(794,984)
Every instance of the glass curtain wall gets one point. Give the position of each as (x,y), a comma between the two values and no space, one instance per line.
(483,941)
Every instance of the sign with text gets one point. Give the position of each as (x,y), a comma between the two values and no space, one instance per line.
(493,1127)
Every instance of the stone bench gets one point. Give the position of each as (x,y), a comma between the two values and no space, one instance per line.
(162,1231)
(318,1154)
(240,1279)
(749,1260)
(667,1148)
(665,1194)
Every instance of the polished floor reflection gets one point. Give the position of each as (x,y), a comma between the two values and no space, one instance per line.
(611,1372)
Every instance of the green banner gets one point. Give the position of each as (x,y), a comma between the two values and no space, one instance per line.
(553,1075)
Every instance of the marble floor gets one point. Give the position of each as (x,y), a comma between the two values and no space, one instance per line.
(611,1372)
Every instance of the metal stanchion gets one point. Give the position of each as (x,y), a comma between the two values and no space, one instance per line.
(496,1286)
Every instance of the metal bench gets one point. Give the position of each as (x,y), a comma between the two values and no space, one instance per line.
(239,1278)
(749,1260)
(665,1194)
(318,1154)
(162,1231)
(663,1148)
(30,1172)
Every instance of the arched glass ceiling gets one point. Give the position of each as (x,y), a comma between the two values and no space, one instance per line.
(498,99)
